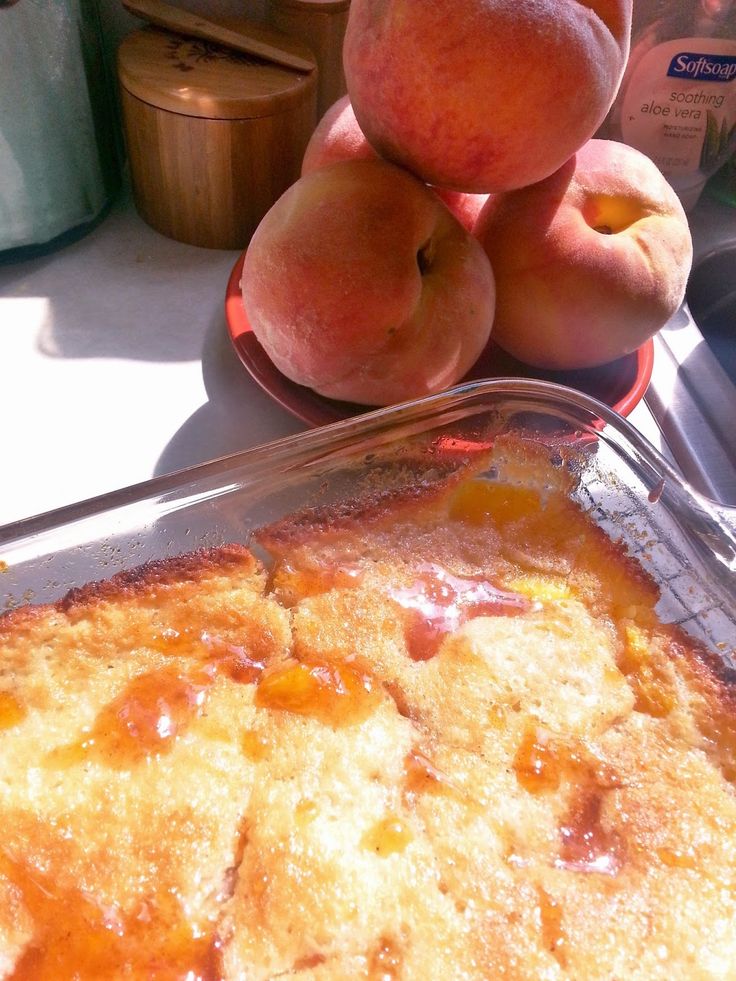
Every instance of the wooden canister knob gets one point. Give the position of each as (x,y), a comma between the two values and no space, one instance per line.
(320,24)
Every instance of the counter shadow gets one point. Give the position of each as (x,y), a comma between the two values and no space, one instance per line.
(237,415)
(143,296)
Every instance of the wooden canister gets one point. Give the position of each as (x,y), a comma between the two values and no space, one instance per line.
(321,25)
(213,136)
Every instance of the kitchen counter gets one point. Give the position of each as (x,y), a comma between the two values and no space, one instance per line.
(116,366)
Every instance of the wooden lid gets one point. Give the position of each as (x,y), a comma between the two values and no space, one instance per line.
(313,6)
(199,78)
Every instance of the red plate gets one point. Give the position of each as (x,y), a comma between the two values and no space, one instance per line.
(620,384)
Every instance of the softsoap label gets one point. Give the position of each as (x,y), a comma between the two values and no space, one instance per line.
(679,105)
(702,67)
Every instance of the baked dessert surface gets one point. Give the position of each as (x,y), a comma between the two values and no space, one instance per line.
(438,735)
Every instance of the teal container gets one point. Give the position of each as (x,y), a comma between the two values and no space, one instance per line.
(59,156)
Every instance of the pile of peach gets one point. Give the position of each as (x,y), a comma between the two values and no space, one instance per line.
(458,189)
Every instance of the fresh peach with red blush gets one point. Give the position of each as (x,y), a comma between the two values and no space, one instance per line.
(590,262)
(483,95)
(360,284)
(337,136)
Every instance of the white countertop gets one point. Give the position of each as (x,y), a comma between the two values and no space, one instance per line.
(116,366)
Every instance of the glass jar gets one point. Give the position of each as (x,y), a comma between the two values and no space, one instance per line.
(59,162)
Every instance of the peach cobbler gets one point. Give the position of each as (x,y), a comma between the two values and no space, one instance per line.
(432,734)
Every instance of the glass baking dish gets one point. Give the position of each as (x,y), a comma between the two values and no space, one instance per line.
(686,542)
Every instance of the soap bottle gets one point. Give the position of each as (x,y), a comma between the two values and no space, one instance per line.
(677,99)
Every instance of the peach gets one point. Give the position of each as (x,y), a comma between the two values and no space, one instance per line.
(483,95)
(465,207)
(590,262)
(338,136)
(361,285)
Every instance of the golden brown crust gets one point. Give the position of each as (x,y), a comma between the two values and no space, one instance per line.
(413,485)
(190,567)
(180,568)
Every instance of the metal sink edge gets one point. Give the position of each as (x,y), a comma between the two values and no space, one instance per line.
(690,396)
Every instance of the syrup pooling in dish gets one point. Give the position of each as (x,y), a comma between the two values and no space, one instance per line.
(315,577)
(538,763)
(145,719)
(335,693)
(12,711)
(386,960)
(236,661)
(77,937)
(388,836)
(422,775)
(151,712)
(544,759)
(649,679)
(477,501)
(438,603)
(541,763)
(586,845)
(553,936)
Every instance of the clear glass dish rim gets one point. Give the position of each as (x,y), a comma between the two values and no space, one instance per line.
(586,412)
